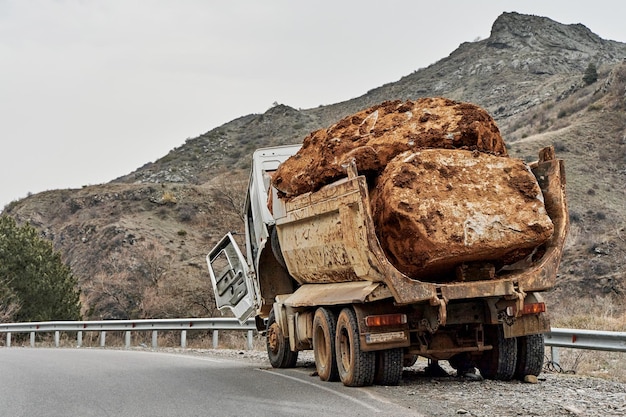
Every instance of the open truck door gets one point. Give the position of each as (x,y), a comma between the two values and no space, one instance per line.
(229,276)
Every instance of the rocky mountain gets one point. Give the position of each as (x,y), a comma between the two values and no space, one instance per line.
(137,244)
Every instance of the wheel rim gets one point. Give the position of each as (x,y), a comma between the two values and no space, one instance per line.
(324,331)
(345,350)
(321,348)
(273,337)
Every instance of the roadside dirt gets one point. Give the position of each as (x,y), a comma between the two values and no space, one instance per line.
(555,394)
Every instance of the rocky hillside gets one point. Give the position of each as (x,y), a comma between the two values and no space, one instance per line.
(138,243)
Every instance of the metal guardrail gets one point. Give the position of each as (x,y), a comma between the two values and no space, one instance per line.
(128,326)
(583,339)
(586,339)
(564,338)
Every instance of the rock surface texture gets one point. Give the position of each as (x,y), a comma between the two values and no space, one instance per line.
(437,208)
(443,191)
(376,135)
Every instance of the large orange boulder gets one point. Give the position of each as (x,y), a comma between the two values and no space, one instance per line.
(376,135)
(436,209)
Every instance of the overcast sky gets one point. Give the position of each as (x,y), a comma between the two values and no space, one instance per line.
(91,90)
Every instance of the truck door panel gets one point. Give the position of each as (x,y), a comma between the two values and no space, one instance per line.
(229,277)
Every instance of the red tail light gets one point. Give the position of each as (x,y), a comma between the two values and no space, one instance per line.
(385,320)
(534,308)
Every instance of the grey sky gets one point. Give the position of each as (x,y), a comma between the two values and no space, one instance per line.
(91,90)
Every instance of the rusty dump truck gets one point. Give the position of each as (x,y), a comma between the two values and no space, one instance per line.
(314,275)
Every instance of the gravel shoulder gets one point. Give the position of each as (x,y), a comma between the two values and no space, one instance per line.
(554,395)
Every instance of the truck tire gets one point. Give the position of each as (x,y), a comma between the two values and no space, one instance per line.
(389,364)
(324,326)
(275,244)
(356,368)
(500,362)
(409,360)
(530,354)
(462,363)
(278,350)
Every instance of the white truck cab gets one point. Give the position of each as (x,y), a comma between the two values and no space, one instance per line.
(232,273)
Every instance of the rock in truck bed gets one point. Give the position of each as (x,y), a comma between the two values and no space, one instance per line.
(376,135)
(443,192)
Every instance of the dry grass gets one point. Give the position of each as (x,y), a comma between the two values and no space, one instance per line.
(603,313)
(606,365)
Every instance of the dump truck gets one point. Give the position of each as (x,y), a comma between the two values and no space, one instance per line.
(313,274)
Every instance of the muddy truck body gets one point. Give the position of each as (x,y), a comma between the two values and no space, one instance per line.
(314,275)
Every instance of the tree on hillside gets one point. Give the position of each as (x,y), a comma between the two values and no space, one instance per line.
(35,277)
(9,303)
(591,74)
(228,197)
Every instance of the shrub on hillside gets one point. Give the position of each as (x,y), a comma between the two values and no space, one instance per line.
(591,74)
(38,280)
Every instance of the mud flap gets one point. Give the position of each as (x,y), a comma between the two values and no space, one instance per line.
(526,325)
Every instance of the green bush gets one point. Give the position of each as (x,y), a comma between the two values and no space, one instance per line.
(591,74)
(38,279)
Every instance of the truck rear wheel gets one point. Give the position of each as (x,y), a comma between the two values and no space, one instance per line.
(356,368)
(389,364)
(278,350)
(530,354)
(275,244)
(324,326)
(409,360)
(462,362)
(500,362)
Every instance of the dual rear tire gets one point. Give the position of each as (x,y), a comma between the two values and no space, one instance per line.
(530,355)
(338,353)
(356,368)
(324,326)
(511,358)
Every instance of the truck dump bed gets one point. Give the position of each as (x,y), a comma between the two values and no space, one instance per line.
(328,236)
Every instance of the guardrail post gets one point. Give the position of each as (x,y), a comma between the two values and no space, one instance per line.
(183,339)
(8,339)
(249,339)
(554,352)
(32,339)
(127,339)
(79,338)
(103,336)
(216,336)
(57,335)
(155,339)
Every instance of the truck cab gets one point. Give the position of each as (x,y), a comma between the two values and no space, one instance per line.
(246,284)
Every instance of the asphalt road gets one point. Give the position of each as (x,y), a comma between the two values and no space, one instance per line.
(97,382)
